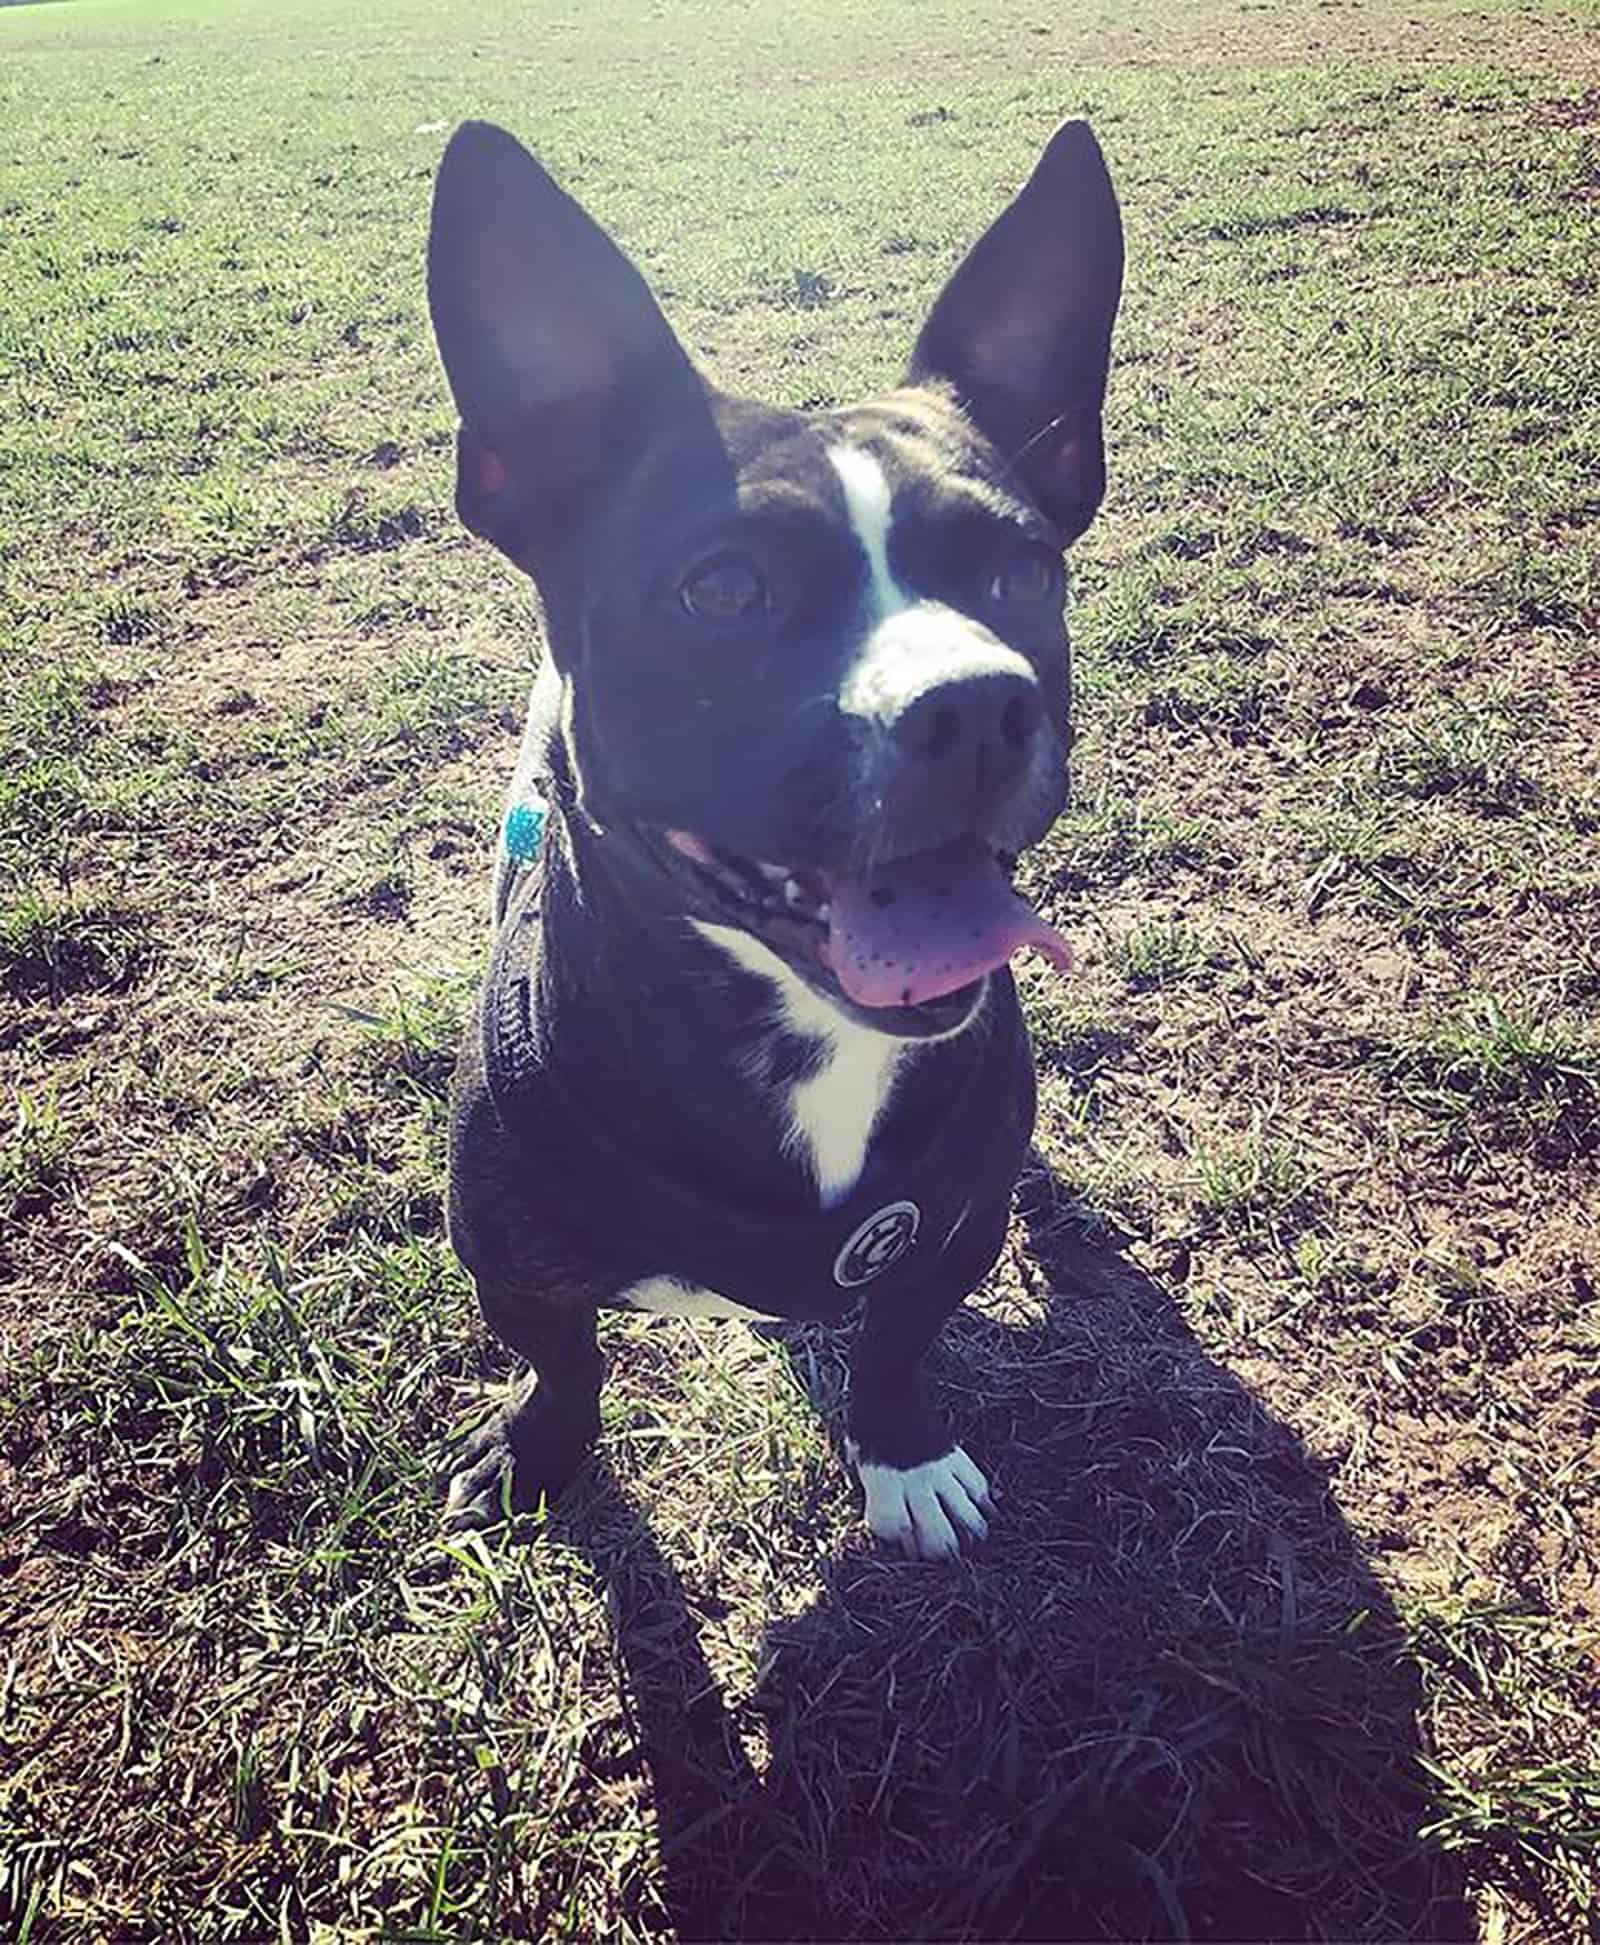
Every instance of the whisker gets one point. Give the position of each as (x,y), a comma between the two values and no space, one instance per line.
(1027,446)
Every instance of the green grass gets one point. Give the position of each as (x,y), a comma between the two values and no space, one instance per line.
(1161,951)
(59,944)
(1492,1074)
(1249,1178)
(1288,1627)
(1526,1787)
(34,1156)
(1474,753)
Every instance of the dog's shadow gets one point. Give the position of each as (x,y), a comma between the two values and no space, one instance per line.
(1168,1701)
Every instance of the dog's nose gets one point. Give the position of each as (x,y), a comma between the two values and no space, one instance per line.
(980,724)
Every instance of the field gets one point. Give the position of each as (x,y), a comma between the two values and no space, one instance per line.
(1291,1371)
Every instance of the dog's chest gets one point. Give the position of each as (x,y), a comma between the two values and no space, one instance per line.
(830,1104)
(832,1114)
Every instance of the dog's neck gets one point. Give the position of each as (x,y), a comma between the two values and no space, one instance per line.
(709,1039)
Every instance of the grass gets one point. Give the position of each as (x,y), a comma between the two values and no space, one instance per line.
(1495,1075)
(1289,1626)
(34,1157)
(1472,753)
(1159,951)
(1244,1178)
(57,944)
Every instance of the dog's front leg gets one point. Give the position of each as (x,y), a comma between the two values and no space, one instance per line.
(529,1449)
(923,1494)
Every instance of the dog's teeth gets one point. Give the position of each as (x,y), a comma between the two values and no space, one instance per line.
(803,901)
(692,847)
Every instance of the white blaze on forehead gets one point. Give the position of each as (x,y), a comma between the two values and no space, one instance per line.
(870,505)
(911,643)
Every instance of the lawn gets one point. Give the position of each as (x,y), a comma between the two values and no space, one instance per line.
(1290,1373)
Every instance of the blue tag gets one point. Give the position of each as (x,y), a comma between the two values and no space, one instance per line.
(524,832)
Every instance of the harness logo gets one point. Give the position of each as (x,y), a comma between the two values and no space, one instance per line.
(875,1244)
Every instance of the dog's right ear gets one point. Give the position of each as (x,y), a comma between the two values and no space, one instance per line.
(556,352)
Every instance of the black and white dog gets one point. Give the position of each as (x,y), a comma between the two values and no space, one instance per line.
(748,1045)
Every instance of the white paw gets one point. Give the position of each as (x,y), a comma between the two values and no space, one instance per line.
(928,1511)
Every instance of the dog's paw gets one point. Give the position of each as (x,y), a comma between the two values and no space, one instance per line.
(515,1462)
(480,1480)
(929,1511)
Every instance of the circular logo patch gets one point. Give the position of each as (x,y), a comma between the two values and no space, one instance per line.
(879,1241)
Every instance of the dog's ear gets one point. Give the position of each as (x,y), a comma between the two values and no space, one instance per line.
(1022,331)
(556,353)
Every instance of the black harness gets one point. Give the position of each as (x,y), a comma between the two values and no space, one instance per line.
(931,1202)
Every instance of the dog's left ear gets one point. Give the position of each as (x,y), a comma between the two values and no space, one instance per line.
(1022,331)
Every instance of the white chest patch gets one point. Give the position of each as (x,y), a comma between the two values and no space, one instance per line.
(670,1296)
(829,1118)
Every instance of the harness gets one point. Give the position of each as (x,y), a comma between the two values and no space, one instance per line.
(924,1220)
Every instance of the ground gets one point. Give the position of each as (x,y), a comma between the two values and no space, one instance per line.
(1289,1374)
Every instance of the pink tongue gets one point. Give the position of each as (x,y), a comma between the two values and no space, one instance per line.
(928,925)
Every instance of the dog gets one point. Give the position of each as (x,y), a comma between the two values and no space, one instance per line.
(749,1044)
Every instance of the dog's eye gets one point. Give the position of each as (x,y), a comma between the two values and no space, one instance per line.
(1028,577)
(727,588)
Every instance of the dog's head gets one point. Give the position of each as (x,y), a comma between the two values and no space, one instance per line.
(815,663)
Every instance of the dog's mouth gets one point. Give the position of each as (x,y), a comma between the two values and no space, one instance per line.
(919,931)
